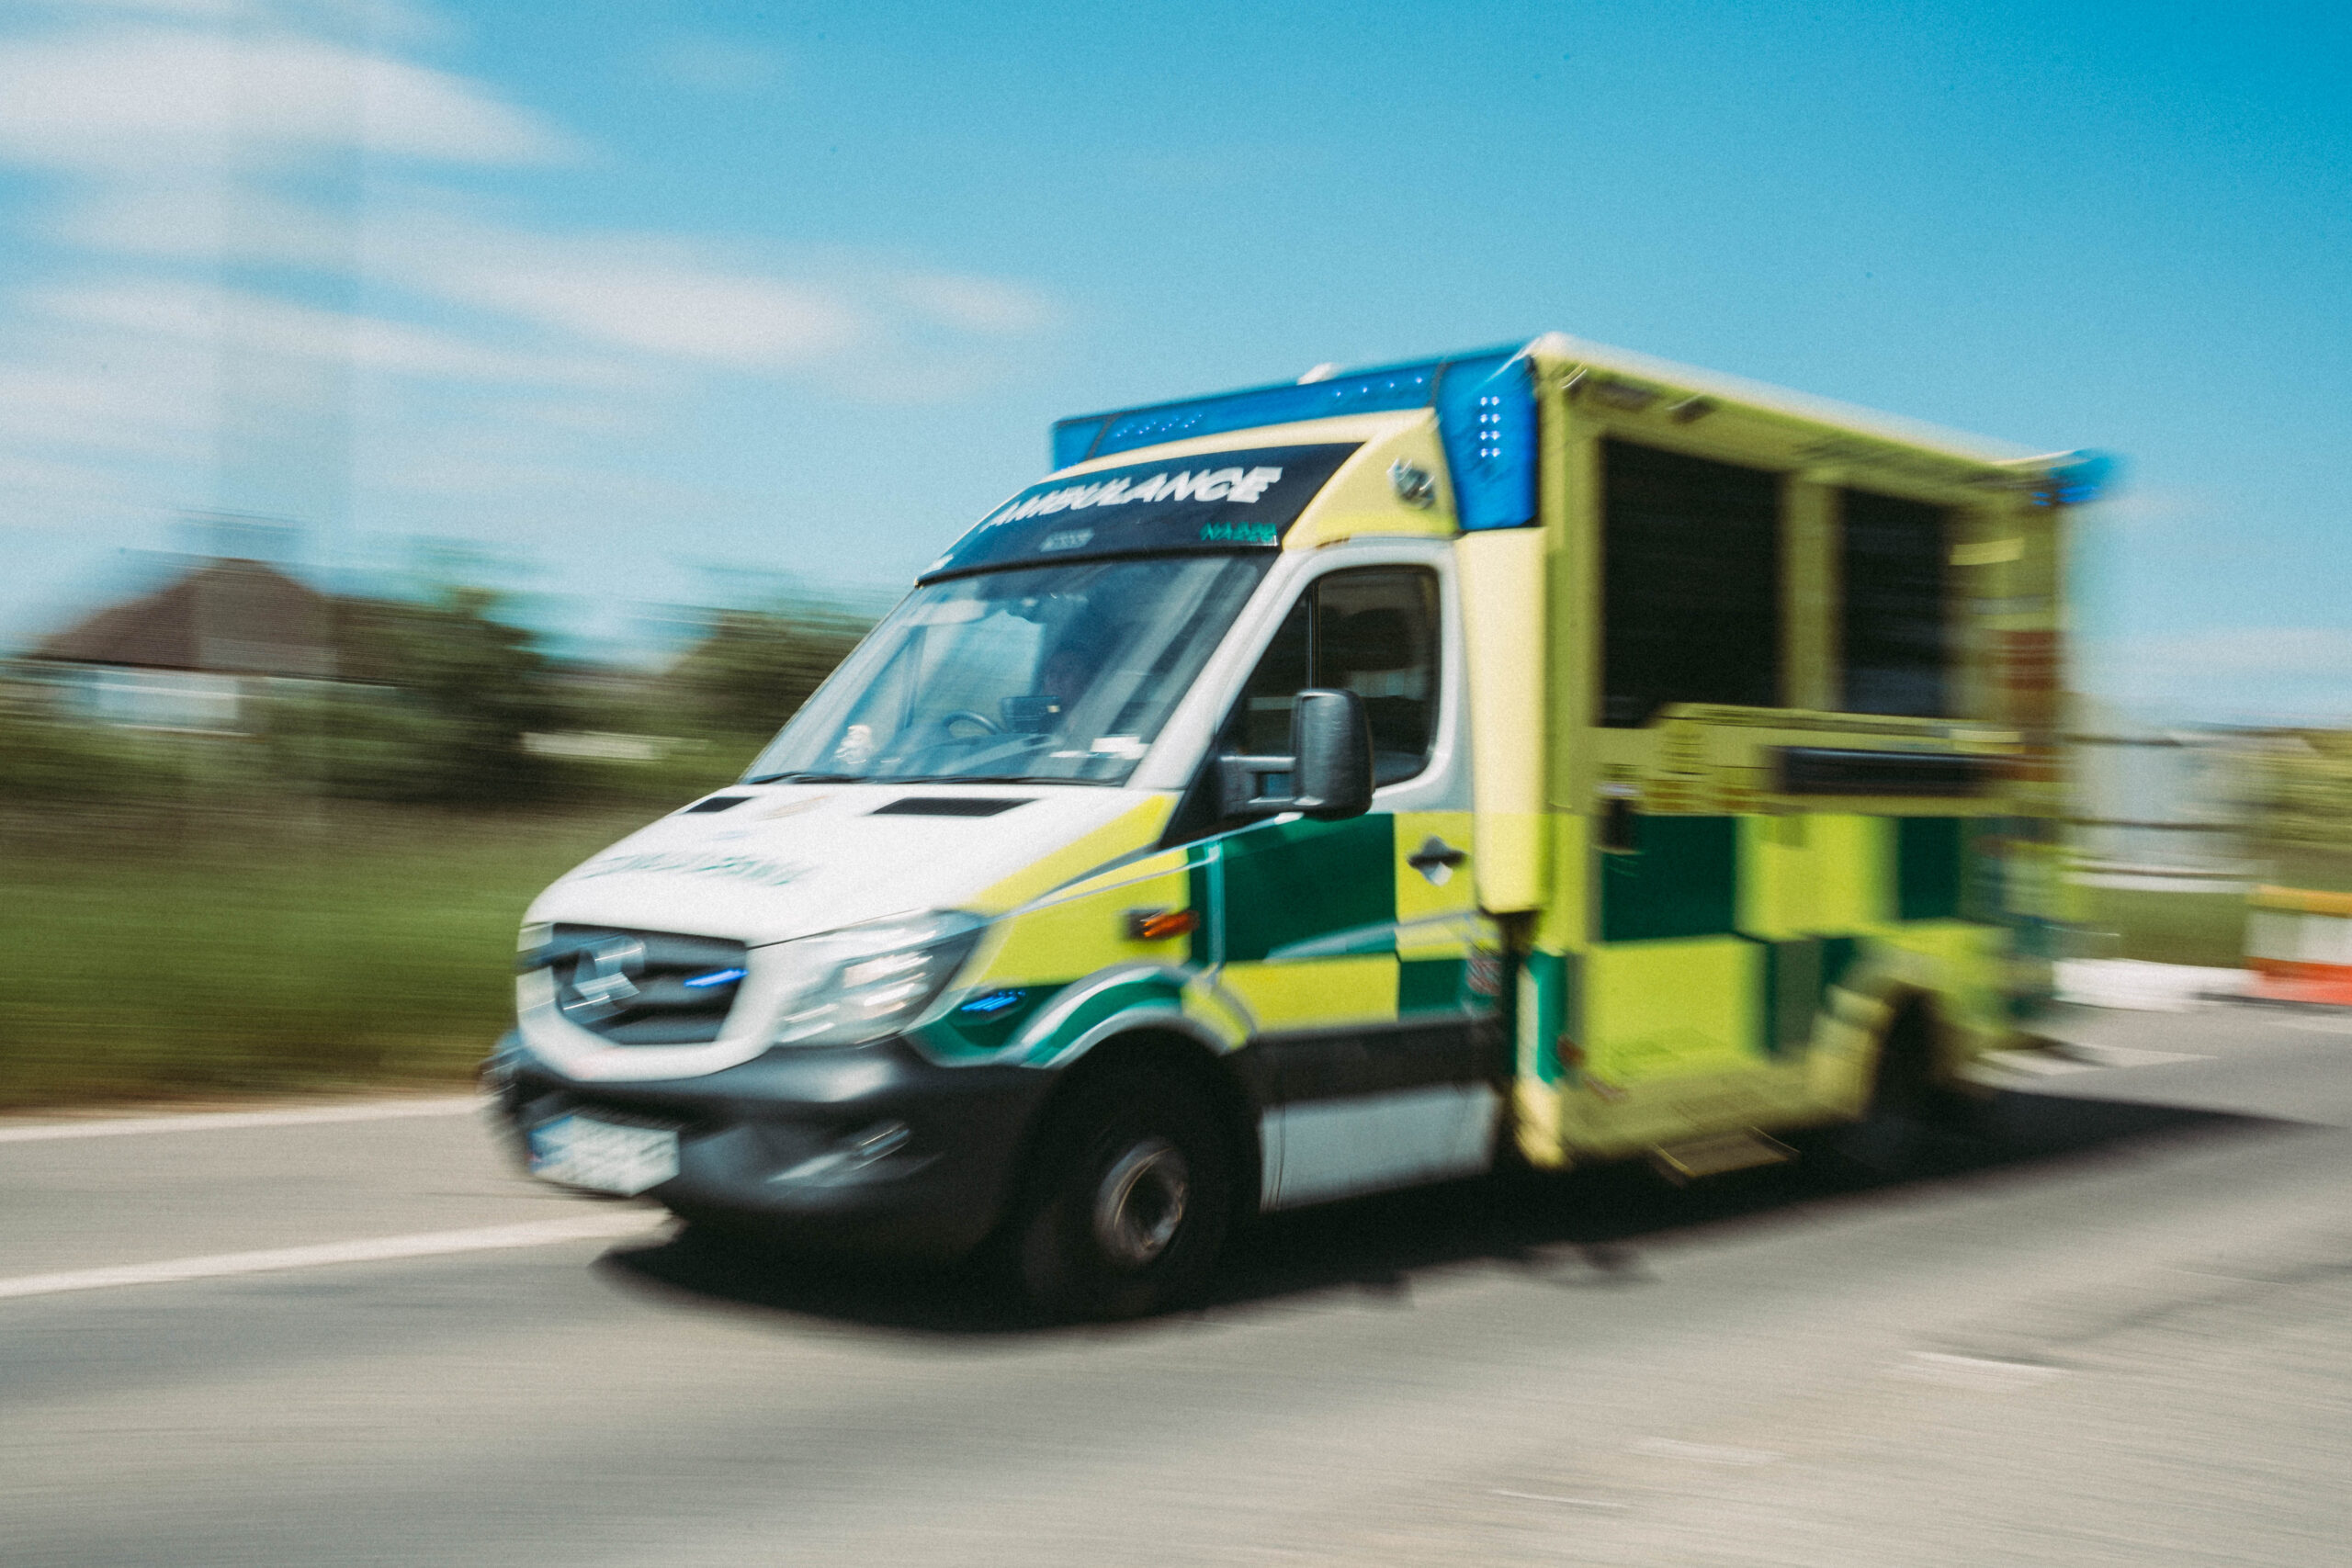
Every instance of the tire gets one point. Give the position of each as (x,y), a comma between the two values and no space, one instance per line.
(1910,1116)
(1129,1200)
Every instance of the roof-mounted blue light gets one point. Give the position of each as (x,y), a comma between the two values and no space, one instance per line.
(1486,420)
(1486,408)
(2081,478)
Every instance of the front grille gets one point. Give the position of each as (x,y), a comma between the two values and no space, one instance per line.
(638,988)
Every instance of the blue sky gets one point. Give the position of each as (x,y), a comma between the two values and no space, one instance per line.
(660,303)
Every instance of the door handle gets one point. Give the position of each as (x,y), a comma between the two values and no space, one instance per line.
(1436,859)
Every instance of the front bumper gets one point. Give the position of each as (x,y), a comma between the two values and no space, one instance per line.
(871,1150)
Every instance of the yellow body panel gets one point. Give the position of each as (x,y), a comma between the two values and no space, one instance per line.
(1085,932)
(1502,622)
(1429,915)
(1807,874)
(1362,502)
(1670,1009)
(1132,831)
(1324,993)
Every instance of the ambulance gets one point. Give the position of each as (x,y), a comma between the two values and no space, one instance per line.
(1536,757)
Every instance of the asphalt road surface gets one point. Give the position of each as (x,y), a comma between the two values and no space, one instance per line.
(2120,1333)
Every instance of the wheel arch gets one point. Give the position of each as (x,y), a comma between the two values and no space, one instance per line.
(1167,1046)
(1917,1050)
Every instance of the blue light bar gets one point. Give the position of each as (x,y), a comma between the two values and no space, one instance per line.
(1486,420)
(1486,408)
(716,977)
(2081,478)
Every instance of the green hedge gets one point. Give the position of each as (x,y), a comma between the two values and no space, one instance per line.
(302,946)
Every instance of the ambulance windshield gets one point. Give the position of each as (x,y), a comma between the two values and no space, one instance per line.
(1060,673)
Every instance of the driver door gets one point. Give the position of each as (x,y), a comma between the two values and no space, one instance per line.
(1355,947)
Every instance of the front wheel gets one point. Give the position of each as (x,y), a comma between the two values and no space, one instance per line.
(1130,1202)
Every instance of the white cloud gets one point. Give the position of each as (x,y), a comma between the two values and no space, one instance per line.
(715,65)
(142,114)
(650,295)
(988,305)
(382,21)
(209,220)
(31,484)
(2237,650)
(499,375)
(178,10)
(245,323)
(128,97)
(101,395)
(2238,673)
(662,296)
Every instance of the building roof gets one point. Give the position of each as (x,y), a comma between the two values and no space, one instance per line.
(230,617)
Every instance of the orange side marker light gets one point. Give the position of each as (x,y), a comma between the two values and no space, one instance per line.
(1159,925)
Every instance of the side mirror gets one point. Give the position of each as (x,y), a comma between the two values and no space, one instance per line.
(1328,774)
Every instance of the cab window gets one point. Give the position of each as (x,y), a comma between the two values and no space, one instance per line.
(1369,631)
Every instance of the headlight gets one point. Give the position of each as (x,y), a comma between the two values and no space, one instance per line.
(848,987)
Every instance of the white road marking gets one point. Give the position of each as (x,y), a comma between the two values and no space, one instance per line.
(426,1243)
(1546,1497)
(1973,1371)
(2130,1055)
(225,1121)
(1704,1453)
(2071,1058)
(1997,1067)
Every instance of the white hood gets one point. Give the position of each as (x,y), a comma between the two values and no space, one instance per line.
(794,860)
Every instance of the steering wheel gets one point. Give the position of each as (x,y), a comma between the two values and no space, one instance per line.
(946,722)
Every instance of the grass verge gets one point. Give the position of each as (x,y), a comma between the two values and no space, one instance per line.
(2167,927)
(197,953)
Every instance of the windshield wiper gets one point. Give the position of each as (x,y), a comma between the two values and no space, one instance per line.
(977,778)
(808,778)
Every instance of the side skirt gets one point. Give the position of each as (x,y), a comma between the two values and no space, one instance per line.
(1321,1149)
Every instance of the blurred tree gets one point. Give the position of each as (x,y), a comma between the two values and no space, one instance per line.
(51,759)
(2302,789)
(433,705)
(753,669)
(444,701)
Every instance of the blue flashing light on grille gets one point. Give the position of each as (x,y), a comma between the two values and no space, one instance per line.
(995,1001)
(1486,408)
(716,977)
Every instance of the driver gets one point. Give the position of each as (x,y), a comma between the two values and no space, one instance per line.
(1071,668)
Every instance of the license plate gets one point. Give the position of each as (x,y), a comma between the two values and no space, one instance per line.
(579,1151)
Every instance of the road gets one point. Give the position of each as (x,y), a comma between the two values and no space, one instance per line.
(2120,1334)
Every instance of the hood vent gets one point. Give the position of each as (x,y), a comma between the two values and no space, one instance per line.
(715,803)
(948,806)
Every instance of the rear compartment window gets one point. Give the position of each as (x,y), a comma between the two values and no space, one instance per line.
(1895,633)
(1690,583)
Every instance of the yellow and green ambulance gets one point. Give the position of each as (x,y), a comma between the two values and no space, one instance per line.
(1541,755)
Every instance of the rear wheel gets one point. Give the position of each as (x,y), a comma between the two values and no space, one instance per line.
(1129,1202)
(1910,1114)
